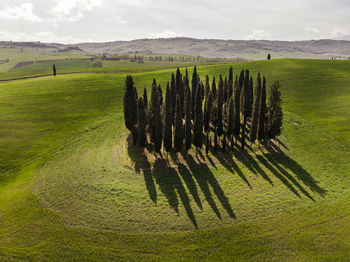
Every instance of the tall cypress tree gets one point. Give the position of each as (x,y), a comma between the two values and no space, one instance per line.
(194,88)
(130,104)
(207,86)
(198,122)
(168,136)
(158,128)
(180,87)
(250,97)
(173,95)
(237,114)
(231,119)
(145,99)
(188,127)
(213,88)
(275,113)
(230,75)
(160,95)
(255,116)
(219,102)
(207,113)
(178,132)
(262,113)
(245,105)
(151,113)
(141,122)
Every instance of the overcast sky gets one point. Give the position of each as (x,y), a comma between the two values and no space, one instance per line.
(71,21)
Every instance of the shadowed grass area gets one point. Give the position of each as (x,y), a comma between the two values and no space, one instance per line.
(71,187)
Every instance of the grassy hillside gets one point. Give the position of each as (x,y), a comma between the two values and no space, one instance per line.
(72,187)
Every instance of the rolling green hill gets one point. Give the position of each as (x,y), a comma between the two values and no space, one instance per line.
(72,187)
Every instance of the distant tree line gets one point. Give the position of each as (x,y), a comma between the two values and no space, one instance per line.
(192,112)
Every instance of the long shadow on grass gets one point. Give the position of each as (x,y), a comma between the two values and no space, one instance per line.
(138,157)
(171,185)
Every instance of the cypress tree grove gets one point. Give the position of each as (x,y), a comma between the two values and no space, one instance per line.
(178,135)
(198,122)
(141,123)
(168,136)
(255,116)
(188,127)
(130,104)
(262,113)
(275,113)
(145,99)
(158,128)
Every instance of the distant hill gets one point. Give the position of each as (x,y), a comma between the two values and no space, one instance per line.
(247,49)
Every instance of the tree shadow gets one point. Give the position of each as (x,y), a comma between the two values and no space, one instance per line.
(138,157)
(206,178)
(171,186)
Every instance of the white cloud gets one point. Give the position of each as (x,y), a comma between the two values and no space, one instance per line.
(257,35)
(73,10)
(165,34)
(44,36)
(338,33)
(20,12)
(312,30)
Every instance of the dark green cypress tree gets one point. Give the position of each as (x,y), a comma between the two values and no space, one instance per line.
(262,113)
(275,113)
(207,113)
(241,79)
(130,104)
(225,91)
(178,132)
(151,113)
(250,98)
(245,105)
(237,114)
(255,116)
(194,88)
(168,134)
(188,127)
(207,86)
(180,87)
(141,123)
(231,119)
(207,144)
(158,128)
(230,75)
(213,88)
(198,122)
(173,95)
(220,100)
(160,95)
(145,99)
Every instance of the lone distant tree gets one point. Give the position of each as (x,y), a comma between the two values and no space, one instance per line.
(268,56)
(130,106)
(255,116)
(262,113)
(141,123)
(54,69)
(178,132)
(275,113)
(168,135)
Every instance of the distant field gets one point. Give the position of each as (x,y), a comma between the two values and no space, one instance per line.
(72,188)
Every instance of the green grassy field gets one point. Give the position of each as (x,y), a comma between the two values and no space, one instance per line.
(71,186)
